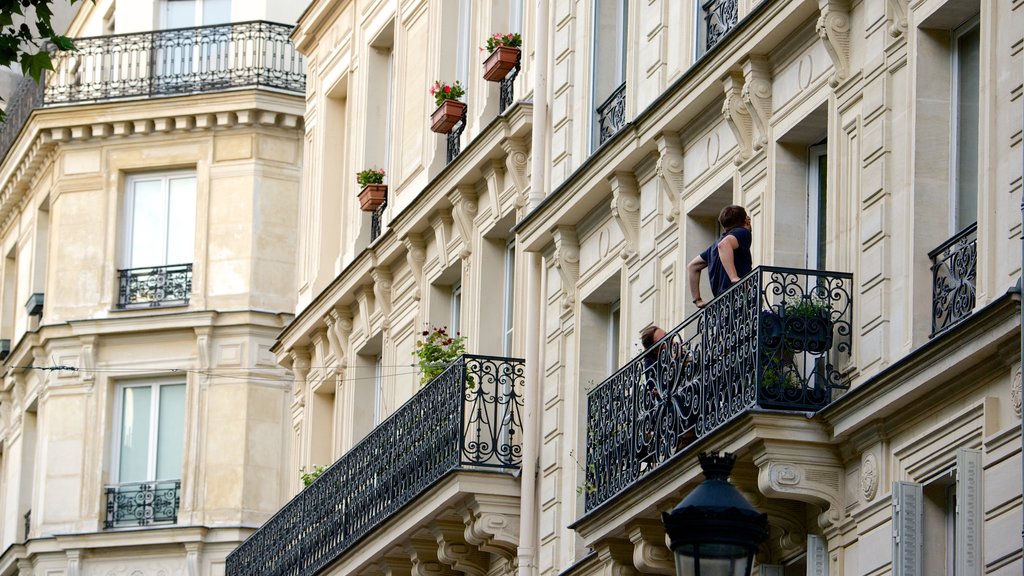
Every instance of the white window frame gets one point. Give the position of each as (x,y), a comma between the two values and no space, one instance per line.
(621,43)
(156,384)
(463,48)
(955,124)
(197,20)
(456,307)
(378,390)
(507,317)
(614,329)
(814,260)
(129,212)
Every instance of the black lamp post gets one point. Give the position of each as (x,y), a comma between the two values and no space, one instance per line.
(714,531)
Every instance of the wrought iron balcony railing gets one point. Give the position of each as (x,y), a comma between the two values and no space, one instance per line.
(720,16)
(507,86)
(143,504)
(467,417)
(954,276)
(611,115)
(778,339)
(161,63)
(154,287)
(376,221)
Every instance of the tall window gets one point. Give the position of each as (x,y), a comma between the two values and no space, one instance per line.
(151,418)
(378,390)
(510,294)
(609,68)
(966,81)
(817,199)
(614,321)
(160,212)
(464,50)
(189,13)
(456,308)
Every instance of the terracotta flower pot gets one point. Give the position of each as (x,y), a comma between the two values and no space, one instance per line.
(447,116)
(372,196)
(500,63)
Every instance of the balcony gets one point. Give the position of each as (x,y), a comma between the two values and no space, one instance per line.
(780,339)
(140,504)
(954,276)
(154,287)
(719,17)
(162,63)
(468,418)
(611,115)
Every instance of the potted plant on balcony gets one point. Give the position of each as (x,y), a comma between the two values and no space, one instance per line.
(436,350)
(503,50)
(374,192)
(449,109)
(807,324)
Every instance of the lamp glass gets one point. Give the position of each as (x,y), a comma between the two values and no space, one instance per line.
(713,560)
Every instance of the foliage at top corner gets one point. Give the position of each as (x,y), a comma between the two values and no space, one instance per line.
(436,350)
(24,42)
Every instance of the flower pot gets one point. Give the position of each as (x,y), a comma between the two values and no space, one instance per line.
(447,115)
(500,63)
(372,196)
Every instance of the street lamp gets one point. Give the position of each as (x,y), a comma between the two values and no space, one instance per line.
(714,531)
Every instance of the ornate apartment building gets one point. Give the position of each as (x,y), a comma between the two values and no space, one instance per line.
(866,374)
(149,193)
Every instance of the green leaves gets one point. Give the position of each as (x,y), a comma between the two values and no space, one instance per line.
(34,64)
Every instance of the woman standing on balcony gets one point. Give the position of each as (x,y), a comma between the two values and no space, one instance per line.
(727,259)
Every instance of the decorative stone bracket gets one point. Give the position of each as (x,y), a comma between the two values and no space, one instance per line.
(382,281)
(493,173)
(493,525)
(567,262)
(757,97)
(804,473)
(452,551)
(415,255)
(616,557)
(517,161)
(670,168)
(464,209)
(834,30)
(441,222)
(300,368)
(650,553)
(625,208)
(737,117)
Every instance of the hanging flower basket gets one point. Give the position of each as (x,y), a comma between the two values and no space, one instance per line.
(447,115)
(372,196)
(501,61)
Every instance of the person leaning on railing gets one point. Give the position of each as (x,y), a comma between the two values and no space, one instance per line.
(727,259)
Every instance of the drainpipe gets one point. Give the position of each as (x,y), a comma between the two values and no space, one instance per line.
(527,554)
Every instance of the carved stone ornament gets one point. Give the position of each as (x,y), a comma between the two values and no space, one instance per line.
(670,168)
(734,110)
(869,476)
(896,14)
(757,96)
(834,30)
(517,161)
(464,209)
(625,208)
(567,262)
(1015,393)
(415,255)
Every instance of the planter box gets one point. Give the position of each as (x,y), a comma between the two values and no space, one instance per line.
(500,63)
(371,197)
(447,115)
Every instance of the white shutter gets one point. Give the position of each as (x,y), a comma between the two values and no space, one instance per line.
(968,512)
(907,521)
(771,570)
(817,555)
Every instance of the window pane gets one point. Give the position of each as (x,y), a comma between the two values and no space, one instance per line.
(170,436)
(135,423)
(147,224)
(968,81)
(216,12)
(181,220)
(179,14)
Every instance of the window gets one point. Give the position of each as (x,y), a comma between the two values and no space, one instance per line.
(817,202)
(150,419)
(464,50)
(965,118)
(614,320)
(189,13)
(378,390)
(456,308)
(509,307)
(160,213)
(609,68)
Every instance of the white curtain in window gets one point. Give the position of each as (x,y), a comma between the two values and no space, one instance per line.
(170,439)
(135,427)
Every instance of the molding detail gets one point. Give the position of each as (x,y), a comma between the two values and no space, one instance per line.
(896,14)
(88,358)
(493,173)
(441,222)
(670,168)
(464,209)
(451,549)
(806,474)
(625,208)
(734,110)
(192,550)
(616,557)
(382,293)
(757,97)
(1015,392)
(650,554)
(834,30)
(300,367)
(203,351)
(415,255)
(491,526)
(567,262)
(869,476)
(517,161)
(423,554)
(74,562)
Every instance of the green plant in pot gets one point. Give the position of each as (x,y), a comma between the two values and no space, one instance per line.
(436,350)
(807,324)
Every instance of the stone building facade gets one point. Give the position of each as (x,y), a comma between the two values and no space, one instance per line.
(866,374)
(150,193)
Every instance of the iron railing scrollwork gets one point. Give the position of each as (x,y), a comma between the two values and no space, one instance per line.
(154,286)
(455,139)
(26,97)
(611,114)
(720,16)
(779,339)
(506,87)
(469,416)
(179,61)
(143,503)
(376,221)
(28,523)
(954,277)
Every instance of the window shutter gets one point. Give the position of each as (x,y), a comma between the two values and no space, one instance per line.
(771,570)
(907,521)
(968,512)
(817,555)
